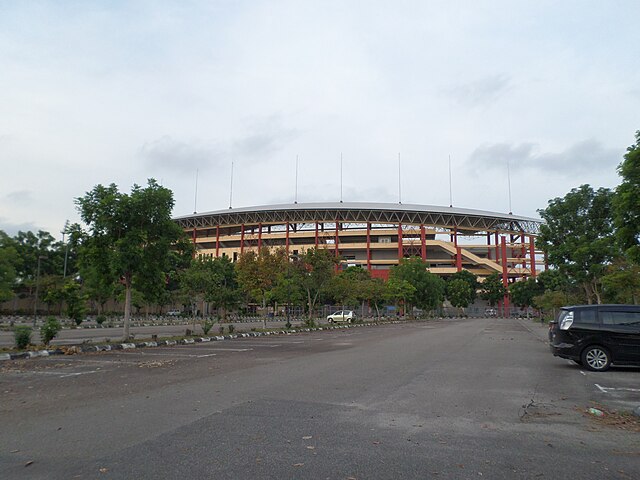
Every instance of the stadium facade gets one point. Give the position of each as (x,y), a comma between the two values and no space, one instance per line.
(376,236)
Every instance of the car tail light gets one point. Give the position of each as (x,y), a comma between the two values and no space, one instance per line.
(566,321)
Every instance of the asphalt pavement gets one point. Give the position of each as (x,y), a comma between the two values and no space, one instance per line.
(443,399)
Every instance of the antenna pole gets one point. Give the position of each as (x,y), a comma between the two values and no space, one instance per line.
(340,177)
(296,197)
(195,198)
(399,182)
(509,184)
(450,185)
(231,187)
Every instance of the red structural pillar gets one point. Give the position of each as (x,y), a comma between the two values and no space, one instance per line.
(287,239)
(532,256)
(336,241)
(317,235)
(194,235)
(423,243)
(497,246)
(455,236)
(459,259)
(369,246)
(523,251)
(505,280)
(217,240)
(241,239)
(489,245)
(259,236)
(400,251)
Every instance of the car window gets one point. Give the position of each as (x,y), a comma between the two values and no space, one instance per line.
(587,316)
(620,318)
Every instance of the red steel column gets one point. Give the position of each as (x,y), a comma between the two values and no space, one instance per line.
(287,239)
(532,256)
(217,241)
(336,241)
(400,251)
(259,236)
(194,235)
(489,245)
(455,236)
(316,234)
(459,259)
(505,281)
(241,239)
(368,246)
(423,243)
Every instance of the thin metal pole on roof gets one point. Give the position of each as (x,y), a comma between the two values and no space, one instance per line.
(450,185)
(231,187)
(509,184)
(296,197)
(399,181)
(340,177)
(195,197)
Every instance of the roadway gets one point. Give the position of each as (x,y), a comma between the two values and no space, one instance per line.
(453,399)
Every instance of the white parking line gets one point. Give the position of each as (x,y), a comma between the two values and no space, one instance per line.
(615,389)
(75,374)
(188,355)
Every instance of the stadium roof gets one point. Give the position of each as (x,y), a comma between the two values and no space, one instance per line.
(363,212)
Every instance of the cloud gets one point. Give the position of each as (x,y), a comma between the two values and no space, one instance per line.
(480,92)
(181,157)
(19,196)
(264,137)
(12,229)
(581,157)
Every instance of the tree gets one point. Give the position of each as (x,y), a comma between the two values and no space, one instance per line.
(399,290)
(621,282)
(257,274)
(9,262)
(213,280)
(626,203)
(470,279)
(75,300)
(375,293)
(578,237)
(348,287)
(493,291)
(429,288)
(131,236)
(523,292)
(459,293)
(318,266)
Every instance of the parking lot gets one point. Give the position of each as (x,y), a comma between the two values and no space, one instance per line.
(441,399)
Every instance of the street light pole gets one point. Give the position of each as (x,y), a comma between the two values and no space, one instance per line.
(35,303)
(66,249)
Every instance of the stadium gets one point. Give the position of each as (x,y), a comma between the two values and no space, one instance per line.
(376,236)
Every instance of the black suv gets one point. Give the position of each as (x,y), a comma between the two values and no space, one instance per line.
(595,336)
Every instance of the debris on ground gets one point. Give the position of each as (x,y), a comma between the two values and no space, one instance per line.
(613,418)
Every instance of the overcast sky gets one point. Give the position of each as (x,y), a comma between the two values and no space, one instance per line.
(121,91)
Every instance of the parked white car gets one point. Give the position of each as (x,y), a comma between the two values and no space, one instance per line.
(342,316)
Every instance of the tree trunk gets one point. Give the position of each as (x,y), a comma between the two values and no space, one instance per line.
(127,309)
(264,312)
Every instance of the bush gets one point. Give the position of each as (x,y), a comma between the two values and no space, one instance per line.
(49,330)
(207,324)
(100,319)
(22,335)
(231,328)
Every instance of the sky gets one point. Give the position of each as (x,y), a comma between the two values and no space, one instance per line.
(541,97)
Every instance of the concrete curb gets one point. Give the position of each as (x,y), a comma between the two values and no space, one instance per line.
(184,341)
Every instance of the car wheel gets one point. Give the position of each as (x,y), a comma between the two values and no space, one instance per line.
(330,320)
(596,358)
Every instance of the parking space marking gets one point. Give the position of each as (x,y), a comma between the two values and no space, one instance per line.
(615,389)
(188,355)
(75,374)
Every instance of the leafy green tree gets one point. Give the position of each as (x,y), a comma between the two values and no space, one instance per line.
(375,293)
(626,203)
(621,282)
(399,291)
(348,287)
(578,237)
(553,279)
(258,272)
(550,301)
(472,281)
(9,262)
(523,292)
(288,288)
(429,288)
(493,291)
(76,301)
(212,280)
(49,330)
(131,236)
(318,268)
(459,293)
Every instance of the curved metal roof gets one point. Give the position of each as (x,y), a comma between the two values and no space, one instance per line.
(363,212)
